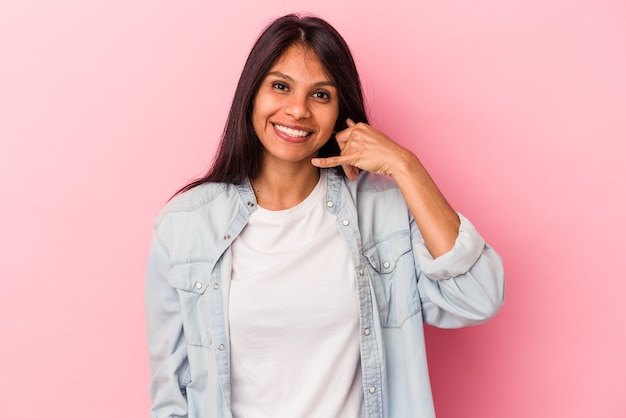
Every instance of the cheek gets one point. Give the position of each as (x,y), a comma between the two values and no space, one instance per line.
(262,108)
(258,127)
(332,121)
(257,118)
(327,118)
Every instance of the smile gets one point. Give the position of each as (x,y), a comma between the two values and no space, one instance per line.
(295,133)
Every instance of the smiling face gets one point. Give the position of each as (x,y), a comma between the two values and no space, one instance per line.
(295,108)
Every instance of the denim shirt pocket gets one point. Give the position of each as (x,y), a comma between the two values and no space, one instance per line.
(191,280)
(394,280)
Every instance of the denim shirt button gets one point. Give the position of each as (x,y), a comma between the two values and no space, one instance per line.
(372,389)
(361,272)
(386,264)
(330,204)
(226,237)
(216,286)
(366,331)
(345,222)
(250,204)
(221,347)
(198,285)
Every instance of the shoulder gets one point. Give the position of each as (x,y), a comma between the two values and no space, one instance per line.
(379,206)
(205,197)
(370,190)
(192,225)
(372,182)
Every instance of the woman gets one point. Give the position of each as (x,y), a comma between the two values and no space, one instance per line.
(294,279)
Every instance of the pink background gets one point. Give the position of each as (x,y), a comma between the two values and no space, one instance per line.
(518,108)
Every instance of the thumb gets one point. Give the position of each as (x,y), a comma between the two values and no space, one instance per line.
(350,122)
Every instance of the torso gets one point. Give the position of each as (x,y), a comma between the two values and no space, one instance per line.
(294,316)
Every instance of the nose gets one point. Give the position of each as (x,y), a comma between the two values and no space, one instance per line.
(298,106)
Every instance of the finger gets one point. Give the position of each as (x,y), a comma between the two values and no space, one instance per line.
(351,171)
(343,135)
(327,162)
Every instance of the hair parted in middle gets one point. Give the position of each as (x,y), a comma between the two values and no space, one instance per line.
(239,153)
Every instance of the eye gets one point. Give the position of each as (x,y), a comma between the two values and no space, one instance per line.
(321,95)
(279,86)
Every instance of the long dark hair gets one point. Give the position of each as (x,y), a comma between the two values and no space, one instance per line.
(239,153)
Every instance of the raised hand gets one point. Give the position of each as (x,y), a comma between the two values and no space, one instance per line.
(363,147)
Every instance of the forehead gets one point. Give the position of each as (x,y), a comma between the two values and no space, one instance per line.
(303,59)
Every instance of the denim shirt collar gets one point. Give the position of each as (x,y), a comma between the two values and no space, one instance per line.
(333,192)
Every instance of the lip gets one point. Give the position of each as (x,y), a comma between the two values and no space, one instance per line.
(292,139)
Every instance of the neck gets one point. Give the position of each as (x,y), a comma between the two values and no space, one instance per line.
(283,189)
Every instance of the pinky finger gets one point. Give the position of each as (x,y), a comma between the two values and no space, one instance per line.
(351,171)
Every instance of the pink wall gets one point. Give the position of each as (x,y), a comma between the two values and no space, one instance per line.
(518,108)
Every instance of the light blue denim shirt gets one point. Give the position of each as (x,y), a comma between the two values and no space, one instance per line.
(400,286)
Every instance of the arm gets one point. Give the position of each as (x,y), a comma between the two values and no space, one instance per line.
(166,343)
(363,147)
(464,286)
(461,278)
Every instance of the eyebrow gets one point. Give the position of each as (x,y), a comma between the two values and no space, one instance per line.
(289,78)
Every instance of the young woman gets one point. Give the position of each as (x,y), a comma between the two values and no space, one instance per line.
(294,279)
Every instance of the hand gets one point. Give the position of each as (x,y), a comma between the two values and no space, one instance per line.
(363,147)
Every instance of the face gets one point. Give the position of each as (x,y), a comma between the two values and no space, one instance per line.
(295,109)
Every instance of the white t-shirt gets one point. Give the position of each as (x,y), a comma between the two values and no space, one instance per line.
(294,316)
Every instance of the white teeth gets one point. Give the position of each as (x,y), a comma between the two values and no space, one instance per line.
(292,132)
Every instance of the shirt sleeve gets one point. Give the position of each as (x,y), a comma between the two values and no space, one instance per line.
(167,350)
(464,286)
